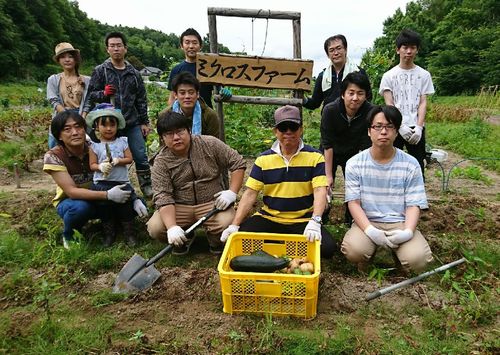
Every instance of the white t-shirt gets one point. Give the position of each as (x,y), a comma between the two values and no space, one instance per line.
(117,149)
(407,85)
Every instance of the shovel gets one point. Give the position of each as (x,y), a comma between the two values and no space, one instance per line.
(139,274)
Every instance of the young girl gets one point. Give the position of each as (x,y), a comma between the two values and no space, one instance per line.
(109,159)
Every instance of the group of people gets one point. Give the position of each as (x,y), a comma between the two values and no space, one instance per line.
(384,186)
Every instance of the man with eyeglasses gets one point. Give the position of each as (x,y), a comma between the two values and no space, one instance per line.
(384,190)
(328,82)
(116,81)
(186,184)
(292,178)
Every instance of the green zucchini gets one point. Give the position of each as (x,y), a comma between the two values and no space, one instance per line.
(259,261)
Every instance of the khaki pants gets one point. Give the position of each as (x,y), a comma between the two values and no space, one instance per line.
(415,254)
(186,215)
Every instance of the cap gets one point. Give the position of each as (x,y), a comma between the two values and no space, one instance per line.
(287,114)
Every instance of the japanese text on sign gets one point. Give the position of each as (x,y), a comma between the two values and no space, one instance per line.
(259,72)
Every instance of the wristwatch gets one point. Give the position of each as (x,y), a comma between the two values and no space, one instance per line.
(317,219)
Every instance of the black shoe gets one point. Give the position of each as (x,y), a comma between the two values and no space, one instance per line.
(129,233)
(108,228)
(216,250)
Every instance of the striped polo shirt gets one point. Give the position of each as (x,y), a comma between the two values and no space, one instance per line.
(288,186)
(385,191)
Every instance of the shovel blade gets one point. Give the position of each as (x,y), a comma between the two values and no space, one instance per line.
(134,276)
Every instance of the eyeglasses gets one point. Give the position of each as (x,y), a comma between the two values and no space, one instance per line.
(285,126)
(180,132)
(119,45)
(380,127)
(337,49)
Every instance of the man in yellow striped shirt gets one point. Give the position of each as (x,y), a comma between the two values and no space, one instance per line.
(291,176)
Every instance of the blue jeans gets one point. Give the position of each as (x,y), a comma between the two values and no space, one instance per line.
(75,213)
(137,146)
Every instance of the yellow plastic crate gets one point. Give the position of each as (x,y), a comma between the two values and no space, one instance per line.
(270,293)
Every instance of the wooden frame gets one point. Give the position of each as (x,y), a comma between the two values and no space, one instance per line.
(213,12)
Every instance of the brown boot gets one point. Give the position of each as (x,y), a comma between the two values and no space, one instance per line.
(108,228)
(129,233)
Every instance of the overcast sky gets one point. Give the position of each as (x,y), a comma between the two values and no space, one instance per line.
(361,21)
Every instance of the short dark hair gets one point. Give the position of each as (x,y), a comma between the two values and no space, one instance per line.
(356,78)
(391,113)
(170,120)
(408,38)
(334,38)
(190,32)
(115,35)
(103,119)
(185,78)
(59,121)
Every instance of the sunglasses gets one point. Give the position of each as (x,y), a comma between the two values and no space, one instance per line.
(285,126)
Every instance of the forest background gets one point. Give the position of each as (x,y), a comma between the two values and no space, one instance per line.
(461,41)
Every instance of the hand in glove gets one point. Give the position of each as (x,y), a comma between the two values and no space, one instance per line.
(140,209)
(116,194)
(106,168)
(416,136)
(405,131)
(223,199)
(176,236)
(109,90)
(304,101)
(399,236)
(312,231)
(378,237)
(225,93)
(232,228)
(116,161)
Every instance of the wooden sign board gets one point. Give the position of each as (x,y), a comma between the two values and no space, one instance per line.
(255,72)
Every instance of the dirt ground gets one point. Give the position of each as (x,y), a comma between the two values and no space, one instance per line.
(190,299)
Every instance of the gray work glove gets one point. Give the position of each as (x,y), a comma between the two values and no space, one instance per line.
(176,236)
(140,209)
(399,236)
(116,194)
(378,237)
(224,199)
(405,131)
(232,228)
(416,136)
(313,231)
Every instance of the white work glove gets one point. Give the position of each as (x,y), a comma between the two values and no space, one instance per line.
(399,236)
(115,161)
(405,131)
(140,209)
(232,228)
(416,136)
(105,168)
(223,199)
(378,237)
(116,194)
(312,231)
(176,236)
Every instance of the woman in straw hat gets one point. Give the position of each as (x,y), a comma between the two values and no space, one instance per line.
(66,90)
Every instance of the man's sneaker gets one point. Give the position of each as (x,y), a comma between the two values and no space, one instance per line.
(216,250)
(184,249)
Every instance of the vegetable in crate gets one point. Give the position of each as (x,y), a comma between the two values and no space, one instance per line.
(259,261)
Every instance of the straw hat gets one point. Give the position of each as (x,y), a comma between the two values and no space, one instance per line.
(102,110)
(63,47)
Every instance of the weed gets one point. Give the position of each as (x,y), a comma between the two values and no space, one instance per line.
(106,297)
(378,274)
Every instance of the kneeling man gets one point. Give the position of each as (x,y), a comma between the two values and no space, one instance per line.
(385,192)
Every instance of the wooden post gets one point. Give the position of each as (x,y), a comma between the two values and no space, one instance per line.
(17,178)
(297,53)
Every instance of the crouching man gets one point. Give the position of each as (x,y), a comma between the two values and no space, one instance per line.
(187,184)
(385,191)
